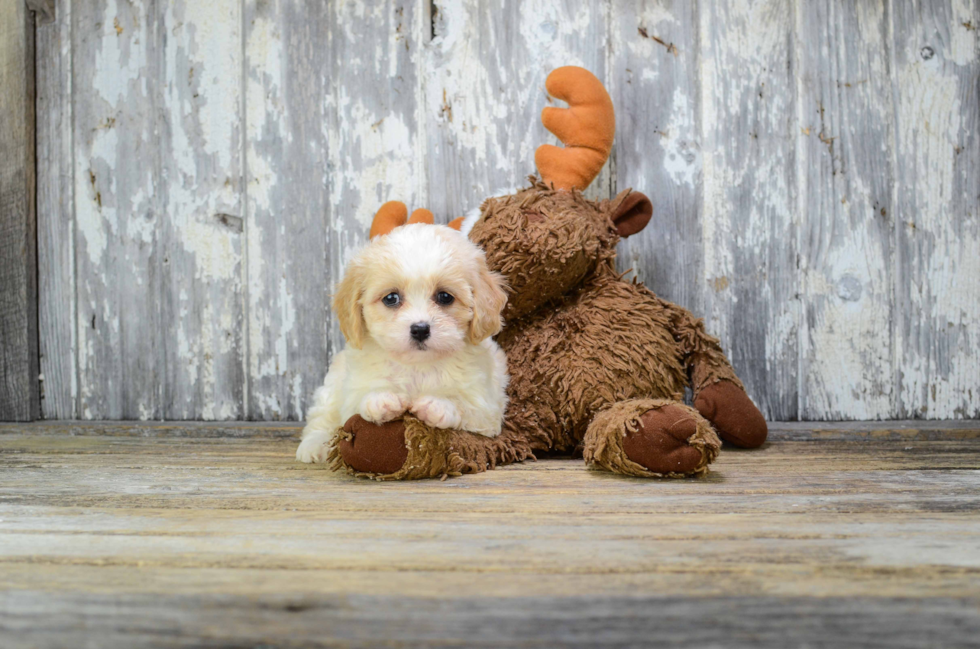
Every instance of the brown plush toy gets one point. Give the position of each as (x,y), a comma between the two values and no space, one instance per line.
(598,365)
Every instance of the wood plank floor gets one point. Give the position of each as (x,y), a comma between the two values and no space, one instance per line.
(122,535)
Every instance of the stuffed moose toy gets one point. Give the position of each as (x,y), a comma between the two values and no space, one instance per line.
(598,365)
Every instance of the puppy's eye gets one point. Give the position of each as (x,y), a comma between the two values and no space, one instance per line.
(443,298)
(392,299)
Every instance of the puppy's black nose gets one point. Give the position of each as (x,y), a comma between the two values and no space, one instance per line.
(419,331)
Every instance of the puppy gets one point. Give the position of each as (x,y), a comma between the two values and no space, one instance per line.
(418,307)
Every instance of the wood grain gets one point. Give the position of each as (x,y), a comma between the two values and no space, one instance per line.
(157,168)
(19,386)
(749,231)
(201,234)
(119,207)
(286,149)
(43,619)
(937,203)
(654,87)
(155,534)
(847,176)
(483,85)
(44,11)
(56,218)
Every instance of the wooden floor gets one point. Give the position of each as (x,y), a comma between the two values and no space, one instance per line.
(199,535)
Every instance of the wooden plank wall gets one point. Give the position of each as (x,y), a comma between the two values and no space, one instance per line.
(206,169)
(19,384)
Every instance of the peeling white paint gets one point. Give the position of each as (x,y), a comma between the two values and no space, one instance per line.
(94,210)
(265,118)
(682,155)
(849,369)
(846,351)
(122,53)
(748,222)
(938,347)
(483,116)
(287,319)
(211,244)
(963,33)
(386,148)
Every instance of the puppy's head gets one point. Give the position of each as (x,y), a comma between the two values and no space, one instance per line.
(420,291)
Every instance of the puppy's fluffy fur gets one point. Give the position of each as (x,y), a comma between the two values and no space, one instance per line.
(455,377)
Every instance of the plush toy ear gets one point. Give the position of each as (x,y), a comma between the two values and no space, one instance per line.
(630,212)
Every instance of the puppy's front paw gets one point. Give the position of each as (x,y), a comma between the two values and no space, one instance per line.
(313,449)
(381,407)
(436,412)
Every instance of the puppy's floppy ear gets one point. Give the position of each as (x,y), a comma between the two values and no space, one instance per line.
(347,305)
(489,300)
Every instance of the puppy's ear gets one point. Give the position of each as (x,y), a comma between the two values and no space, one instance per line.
(347,306)
(489,300)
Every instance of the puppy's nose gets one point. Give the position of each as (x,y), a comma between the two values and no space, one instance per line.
(419,331)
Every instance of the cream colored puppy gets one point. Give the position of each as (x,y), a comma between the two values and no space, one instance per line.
(418,307)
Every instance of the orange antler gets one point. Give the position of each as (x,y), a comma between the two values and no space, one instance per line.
(389,216)
(393,214)
(457,223)
(586,128)
(421,215)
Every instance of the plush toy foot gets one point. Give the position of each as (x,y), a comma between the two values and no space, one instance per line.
(659,442)
(733,414)
(373,448)
(651,438)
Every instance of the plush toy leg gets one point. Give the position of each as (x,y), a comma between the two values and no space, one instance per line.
(718,393)
(651,438)
(407,449)
(720,397)
(732,413)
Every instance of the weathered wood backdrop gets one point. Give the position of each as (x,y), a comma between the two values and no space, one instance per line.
(206,168)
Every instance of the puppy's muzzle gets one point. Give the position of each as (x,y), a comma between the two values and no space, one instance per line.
(420,331)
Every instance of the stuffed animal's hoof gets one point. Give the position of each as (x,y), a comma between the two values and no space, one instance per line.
(733,414)
(660,442)
(373,448)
